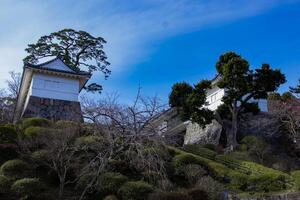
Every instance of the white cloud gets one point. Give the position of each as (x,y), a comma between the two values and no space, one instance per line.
(129,26)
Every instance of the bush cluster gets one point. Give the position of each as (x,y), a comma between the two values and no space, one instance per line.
(29,188)
(135,190)
(34,131)
(35,121)
(8,152)
(8,134)
(110,182)
(5,184)
(189,194)
(15,169)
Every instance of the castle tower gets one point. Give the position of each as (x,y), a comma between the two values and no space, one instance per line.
(50,90)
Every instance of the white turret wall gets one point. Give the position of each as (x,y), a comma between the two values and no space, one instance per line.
(54,87)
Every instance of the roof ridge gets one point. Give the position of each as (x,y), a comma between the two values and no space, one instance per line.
(40,65)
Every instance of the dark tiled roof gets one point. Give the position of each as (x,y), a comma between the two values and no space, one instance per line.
(41,66)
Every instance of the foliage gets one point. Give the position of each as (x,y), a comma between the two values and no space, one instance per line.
(8,134)
(197,194)
(110,182)
(169,196)
(242,84)
(34,131)
(77,49)
(135,190)
(5,184)
(15,169)
(257,147)
(66,123)
(190,100)
(210,146)
(179,94)
(8,152)
(241,175)
(35,121)
(111,197)
(296,176)
(211,187)
(193,173)
(29,188)
(189,194)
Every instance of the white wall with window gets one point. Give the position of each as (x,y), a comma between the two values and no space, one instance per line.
(214,98)
(54,87)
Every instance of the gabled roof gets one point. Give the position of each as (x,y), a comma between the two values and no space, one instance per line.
(56,65)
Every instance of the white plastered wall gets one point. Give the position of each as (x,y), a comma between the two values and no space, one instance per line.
(54,87)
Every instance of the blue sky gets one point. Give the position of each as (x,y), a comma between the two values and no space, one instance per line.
(155,43)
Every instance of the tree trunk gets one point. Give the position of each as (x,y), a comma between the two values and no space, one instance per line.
(231,135)
(61,188)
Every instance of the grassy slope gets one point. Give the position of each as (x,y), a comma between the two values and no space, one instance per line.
(244,176)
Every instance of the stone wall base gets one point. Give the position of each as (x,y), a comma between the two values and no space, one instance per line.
(53,109)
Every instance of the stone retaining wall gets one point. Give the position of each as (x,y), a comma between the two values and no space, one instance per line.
(53,109)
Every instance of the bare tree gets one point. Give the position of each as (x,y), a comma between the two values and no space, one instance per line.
(287,109)
(13,84)
(8,97)
(142,146)
(62,154)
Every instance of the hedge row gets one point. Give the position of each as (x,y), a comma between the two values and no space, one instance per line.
(265,181)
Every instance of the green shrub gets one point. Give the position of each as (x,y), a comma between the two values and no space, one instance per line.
(87,140)
(197,194)
(8,152)
(211,187)
(66,123)
(193,173)
(5,184)
(210,147)
(180,161)
(296,176)
(84,180)
(242,147)
(267,183)
(110,182)
(39,155)
(111,197)
(15,169)
(29,188)
(8,134)
(35,121)
(34,131)
(169,196)
(200,151)
(118,166)
(137,190)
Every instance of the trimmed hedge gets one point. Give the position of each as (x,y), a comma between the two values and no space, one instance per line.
(190,194)
(8,152)
(169,196)
(135,190)
(29,188)
(243,175)
(111,197)
(15,169)
(110,182)
(35,121)
(8,134)
(34,131)
(296,176)
(5,184)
